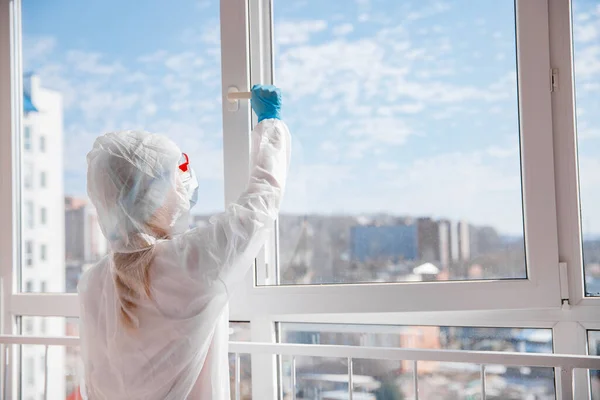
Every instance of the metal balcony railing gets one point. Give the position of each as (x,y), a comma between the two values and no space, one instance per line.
(564,364)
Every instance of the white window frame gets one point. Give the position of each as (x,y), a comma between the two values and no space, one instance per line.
(541,288)
(550,194)
(566,157)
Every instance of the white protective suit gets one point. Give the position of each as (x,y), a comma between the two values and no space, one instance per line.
(180,349)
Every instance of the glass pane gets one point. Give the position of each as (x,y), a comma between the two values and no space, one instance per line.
(436,380)
(406,161)
(88,72)
(463,381)
(586,20)
(63,362)
(594,350)
(240,332)
(62,373)
(382,379)
(317,378)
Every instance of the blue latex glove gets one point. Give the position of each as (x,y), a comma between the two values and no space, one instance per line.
(266,102)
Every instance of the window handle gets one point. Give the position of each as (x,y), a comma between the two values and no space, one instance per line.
(234,96)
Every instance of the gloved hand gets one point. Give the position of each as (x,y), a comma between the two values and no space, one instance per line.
(266,102)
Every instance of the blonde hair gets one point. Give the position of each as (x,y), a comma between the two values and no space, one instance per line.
(132,272)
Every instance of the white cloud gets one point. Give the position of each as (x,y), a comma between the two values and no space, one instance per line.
(428,11)
(310,184)
(212,35)
(502,152)
(297,32)
(387,166)
(467,185)
(586,132)
(342,30)
(410,108)
(101,94)
(184,63)
(157,56)
(463,185)
(36,49)
(381,130)
(91,63)
(585,33)
(208,35)
(589,86)
(587,62)
(203,4)
(100,105)
(363,17)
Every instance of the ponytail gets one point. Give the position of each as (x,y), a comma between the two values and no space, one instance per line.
(132,282)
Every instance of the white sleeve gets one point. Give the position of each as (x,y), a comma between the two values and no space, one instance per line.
(225,249)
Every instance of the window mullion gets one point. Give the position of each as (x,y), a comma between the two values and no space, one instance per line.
(570,338)
(264,366)
(565,145)
(537,157)
(236,117)
(10,104)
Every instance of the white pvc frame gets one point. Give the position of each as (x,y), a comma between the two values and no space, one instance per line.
(565,150)
(550,193)
(540,289)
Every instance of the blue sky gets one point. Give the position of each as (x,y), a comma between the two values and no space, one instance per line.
(408,107)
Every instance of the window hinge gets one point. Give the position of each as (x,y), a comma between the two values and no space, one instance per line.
(564,285)
(554,80)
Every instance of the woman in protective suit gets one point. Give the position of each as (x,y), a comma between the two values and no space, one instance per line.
(154,315)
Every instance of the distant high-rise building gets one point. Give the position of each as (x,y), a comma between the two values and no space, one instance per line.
(84,239)
(377,243)
(43,231)
(460,241)
(463,240)
(445,242)
(484,239)
(428,240)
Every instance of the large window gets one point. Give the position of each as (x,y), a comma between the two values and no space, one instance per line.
(325,377)
(442,190)
(61,363)
(418,150)
(163,76)
(586,35)
(406,141)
